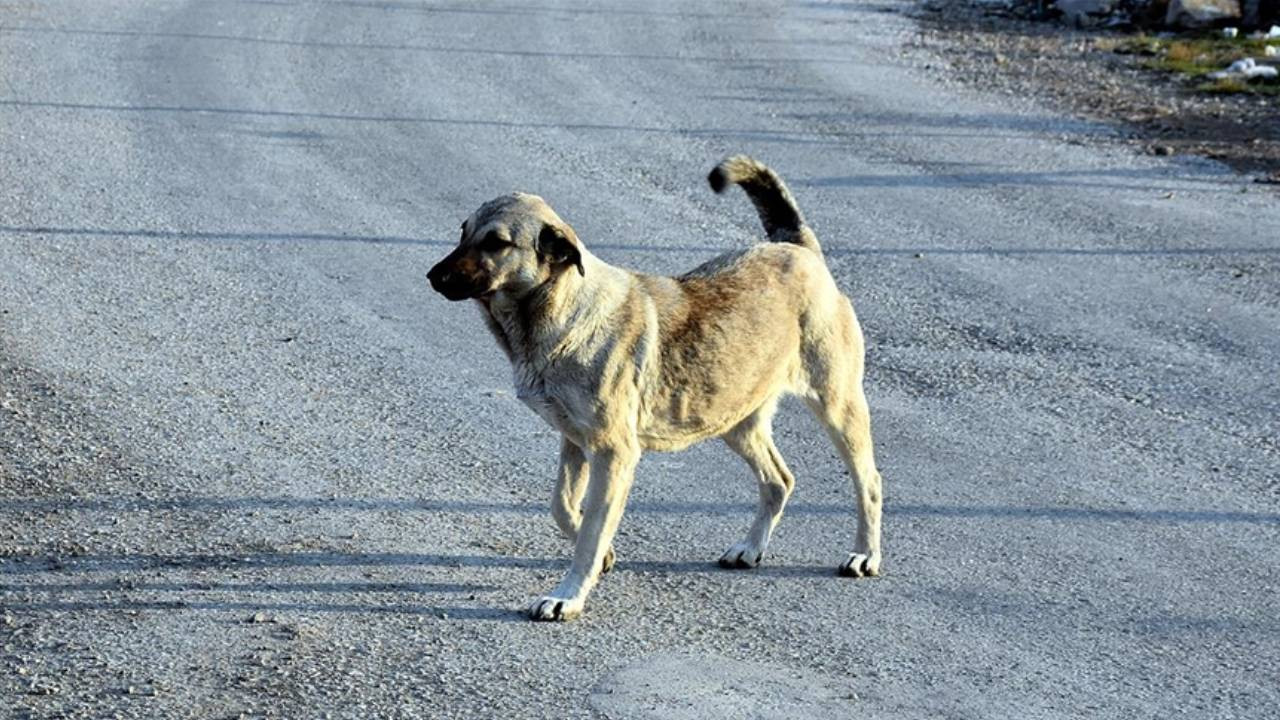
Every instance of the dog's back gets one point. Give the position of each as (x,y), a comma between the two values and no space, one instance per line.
(727,330)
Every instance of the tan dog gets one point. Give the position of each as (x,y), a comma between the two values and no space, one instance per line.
(620,362)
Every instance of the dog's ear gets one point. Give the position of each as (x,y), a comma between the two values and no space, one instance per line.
(559,246)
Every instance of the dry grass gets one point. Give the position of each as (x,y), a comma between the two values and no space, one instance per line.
(1184,52)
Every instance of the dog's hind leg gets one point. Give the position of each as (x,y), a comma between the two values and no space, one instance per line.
(571,483)
(850,427)
(834,367)
(753,440)
(848,422)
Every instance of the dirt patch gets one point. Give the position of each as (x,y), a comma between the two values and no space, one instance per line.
(1120,78)
(46,447)
(674,686)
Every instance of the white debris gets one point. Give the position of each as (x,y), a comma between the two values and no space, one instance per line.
(1230,32)
(1273,50)
(1247,69)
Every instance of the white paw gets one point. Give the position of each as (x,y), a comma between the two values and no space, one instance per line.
(549,607)
(860,565)
(742,556)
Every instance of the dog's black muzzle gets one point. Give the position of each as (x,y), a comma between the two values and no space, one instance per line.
(447,280)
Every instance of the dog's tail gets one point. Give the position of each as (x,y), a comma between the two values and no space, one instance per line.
(778,212)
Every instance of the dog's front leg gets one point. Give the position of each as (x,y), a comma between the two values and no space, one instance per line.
(571,484)
(611,474)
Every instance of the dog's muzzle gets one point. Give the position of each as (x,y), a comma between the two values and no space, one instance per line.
(450,283)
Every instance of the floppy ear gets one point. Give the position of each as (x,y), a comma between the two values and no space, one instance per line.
(559,245)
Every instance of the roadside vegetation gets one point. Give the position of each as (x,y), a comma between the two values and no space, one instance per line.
(1196,58)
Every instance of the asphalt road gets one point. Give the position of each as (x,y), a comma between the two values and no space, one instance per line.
(250,466)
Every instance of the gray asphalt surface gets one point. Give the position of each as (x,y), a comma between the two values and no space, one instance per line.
(250,466)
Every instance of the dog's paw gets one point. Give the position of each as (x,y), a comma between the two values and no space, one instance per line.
(554,609)
(742,556)
(609,559)
(860,565)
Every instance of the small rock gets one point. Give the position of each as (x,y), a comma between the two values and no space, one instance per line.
(1201,13)
(1118,21)
(1083,13)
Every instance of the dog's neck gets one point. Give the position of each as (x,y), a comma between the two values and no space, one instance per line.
(553,318)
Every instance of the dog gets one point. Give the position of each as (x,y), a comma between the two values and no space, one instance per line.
(620,362)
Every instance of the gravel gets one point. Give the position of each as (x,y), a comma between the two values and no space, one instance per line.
(1100,75)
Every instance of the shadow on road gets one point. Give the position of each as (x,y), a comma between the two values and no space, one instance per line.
(252,587)
(1105,179)
(220,504)
(442,50)
(762,136)
(328,559)
(830,250)
(223,236)
(204,595)
(453,612)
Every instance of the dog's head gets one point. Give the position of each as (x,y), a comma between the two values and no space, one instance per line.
(511,245)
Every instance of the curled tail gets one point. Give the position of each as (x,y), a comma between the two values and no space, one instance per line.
(778,212)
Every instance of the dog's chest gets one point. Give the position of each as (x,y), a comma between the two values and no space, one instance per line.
(532,389)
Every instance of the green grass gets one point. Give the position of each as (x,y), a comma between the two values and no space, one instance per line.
(1233,86)
(1195,57)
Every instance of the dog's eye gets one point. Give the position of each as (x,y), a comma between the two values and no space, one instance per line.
(492,243)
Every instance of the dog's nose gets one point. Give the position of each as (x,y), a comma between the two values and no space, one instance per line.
(438,276)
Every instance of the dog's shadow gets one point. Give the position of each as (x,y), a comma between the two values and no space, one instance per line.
(51,593)
(224,581)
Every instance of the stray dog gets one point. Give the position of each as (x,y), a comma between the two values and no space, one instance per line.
(621,362)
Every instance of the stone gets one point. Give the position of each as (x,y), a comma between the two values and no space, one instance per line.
(1083,13)
(1201,13)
